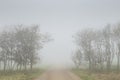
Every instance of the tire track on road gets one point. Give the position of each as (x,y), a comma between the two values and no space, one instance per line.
(70,76)
(58,75)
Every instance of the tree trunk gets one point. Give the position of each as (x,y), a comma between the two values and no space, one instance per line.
(108,65)
(4,66)
(118,63)
(31,66)
(90,65)
(25,66)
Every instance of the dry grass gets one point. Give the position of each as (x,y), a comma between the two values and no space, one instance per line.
(20,75)
(86,75)
(107,76)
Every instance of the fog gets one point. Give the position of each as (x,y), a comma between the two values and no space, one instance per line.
(61,19)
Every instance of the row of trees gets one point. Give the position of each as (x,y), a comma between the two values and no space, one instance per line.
(19,47)
(99,48)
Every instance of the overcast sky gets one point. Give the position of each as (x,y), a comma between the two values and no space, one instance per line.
(62,19)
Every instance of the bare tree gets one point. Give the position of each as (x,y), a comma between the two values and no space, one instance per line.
(77,58)
(116,36)
(99,50)
(20,47)
(84,40)
(97,46)
(109,46)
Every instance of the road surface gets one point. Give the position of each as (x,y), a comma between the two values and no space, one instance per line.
(58,75)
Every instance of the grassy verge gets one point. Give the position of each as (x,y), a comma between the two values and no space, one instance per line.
(83,74)
(86,75)
(20,75)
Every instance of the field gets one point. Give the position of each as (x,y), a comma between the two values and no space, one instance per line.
(86,75)
(20,75)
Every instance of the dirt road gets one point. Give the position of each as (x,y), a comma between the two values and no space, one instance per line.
(58,75)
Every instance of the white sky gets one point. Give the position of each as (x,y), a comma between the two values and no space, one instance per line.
(62,19)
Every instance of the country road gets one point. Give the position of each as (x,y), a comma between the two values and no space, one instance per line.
(58,75)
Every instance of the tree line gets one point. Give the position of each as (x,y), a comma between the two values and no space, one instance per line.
(19,47)
(99,48)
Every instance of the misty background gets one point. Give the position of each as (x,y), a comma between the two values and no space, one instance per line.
(60,18)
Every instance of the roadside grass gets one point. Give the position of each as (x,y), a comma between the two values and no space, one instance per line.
(83,74)
(86,75)
(20,75)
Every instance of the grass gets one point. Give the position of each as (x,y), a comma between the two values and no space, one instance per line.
(83,74)
(86,75)
(20,75)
